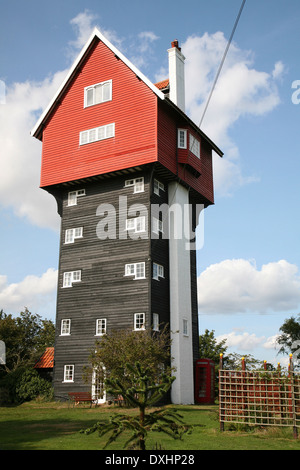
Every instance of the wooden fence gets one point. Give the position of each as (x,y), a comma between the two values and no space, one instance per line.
(259,398)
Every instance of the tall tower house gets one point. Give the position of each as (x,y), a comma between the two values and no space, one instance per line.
(129,171)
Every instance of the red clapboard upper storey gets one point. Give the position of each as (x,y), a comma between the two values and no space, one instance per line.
(108,116)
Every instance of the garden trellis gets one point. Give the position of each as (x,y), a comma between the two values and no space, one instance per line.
(259,398)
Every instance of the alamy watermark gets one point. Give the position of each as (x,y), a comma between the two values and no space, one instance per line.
(161,221)
(296,93)
(2,353)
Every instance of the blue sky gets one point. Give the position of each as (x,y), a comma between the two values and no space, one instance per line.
(248,267)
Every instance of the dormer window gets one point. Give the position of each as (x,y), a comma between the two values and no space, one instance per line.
(182,138)
(99,93)
(194,145)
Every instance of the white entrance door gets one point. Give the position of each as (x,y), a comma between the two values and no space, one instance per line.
(98,391)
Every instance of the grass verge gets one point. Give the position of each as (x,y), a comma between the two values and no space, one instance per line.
(56,426)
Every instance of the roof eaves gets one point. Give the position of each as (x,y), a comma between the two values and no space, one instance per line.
(197,128)
(37,129)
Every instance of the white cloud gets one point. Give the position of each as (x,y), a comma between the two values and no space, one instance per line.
(143,49)
(250,343)
(271,342)
(36,293)
(241,90)
(20,162)
(83,25)
(279,70)
(21,154)
(244,341)
(237,286)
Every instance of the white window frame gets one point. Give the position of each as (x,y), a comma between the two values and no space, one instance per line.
(96,134)
(157,225)
(135,269)
(194,145)
(157,187)
(182,138)
(139,321)
(69,373)
(185,327)
(65,327)
(155,325)
(72,233)
(73,195)
(101,324)
(98,99)
(137,224)
(70,277)
(137,183)
(158,271)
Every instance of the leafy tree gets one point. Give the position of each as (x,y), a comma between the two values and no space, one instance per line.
(290,337)
(25,338)
(137,366)
(234,362)
(209,348)
(143,394)
(117,351)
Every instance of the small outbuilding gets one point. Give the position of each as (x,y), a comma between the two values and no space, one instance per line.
(45,363)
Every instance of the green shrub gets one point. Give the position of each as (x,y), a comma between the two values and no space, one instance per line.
(8,385)
(31,385)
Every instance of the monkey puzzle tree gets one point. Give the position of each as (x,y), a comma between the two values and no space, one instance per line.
(136,366)
(142,395)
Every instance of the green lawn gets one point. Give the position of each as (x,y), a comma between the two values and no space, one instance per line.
(55,426)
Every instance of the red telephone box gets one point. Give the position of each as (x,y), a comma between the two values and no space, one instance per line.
(205,381)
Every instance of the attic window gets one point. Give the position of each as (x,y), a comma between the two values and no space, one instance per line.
(97,133)
(99,93)
(194,145)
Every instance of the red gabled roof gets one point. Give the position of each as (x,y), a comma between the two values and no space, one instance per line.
(46,360)
(37,131)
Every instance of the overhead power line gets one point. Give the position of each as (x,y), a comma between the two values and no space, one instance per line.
(223,60)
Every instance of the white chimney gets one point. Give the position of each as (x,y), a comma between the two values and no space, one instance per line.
(176,75)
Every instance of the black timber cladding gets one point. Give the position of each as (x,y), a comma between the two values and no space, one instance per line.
(104,291)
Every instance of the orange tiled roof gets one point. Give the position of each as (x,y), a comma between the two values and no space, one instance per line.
(46,360)
(163,84)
